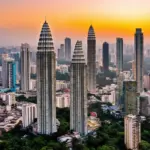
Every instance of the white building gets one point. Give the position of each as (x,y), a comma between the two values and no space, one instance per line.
(32,84)
(29,113)
(63,100)
(132,132)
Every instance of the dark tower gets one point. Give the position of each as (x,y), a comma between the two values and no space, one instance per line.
(105,56)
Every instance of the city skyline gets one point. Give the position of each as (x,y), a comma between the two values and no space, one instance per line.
(110,20)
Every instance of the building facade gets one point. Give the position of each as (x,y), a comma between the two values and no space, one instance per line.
(105,56)
(139,58)
(78,98)
(132,132)
(119,55)
(29,113)
(91,59)
(46,82)
(25,67)
(9,73)
(68,49)
(130,97)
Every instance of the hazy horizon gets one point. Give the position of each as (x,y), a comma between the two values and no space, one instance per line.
(21,21)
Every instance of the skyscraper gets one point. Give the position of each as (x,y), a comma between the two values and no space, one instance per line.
(91,59)
(46,82)
(78,105)
(139,59)
(119,55)
(9,73)
(68,49)
(132,132)
(130,97)
(105,56)
(61,52)
(25,67)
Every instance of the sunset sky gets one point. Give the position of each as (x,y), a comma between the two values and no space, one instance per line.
(21,20)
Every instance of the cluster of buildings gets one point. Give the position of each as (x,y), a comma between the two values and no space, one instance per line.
(64,52)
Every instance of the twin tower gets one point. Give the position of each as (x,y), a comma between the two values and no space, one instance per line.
(82,79)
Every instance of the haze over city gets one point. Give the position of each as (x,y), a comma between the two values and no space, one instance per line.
(21,20)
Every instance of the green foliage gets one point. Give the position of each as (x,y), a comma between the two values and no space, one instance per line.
(61,76)
(23,98)
(144,145)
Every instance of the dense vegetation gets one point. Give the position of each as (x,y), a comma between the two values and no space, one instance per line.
(109,136)
(61,76)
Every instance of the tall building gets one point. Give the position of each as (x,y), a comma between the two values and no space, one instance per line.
(68,49)
(145,104)
(9,73)
(130,97)
(105,56)
(61,52)
(25,67)
(139,58)
(119,55)
(132,132)
(78,102)
(134,69)
(91,59)
(46,82)
(146,81)
(119,92)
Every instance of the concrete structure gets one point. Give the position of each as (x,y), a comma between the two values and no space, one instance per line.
(33,85)
(62,84)
(139,58)
(132,132)
(46,82)
(9,73)
(145,103)
(25,67)
(134,69)
(105,56)
(62,100)
(119,55)
(91,59)
(119,91)
(33,69)
(130,97)
(68,49)
(78,104)
(146,80)
(29,113)
(61,52)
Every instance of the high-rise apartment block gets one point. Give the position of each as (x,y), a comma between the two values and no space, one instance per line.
(9,73)
(78,98)
(105,56)
(46,82)
(25,67)
(132,132)
(130,97)
(119,55)
(68,49)
(139,58)
(91,59)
